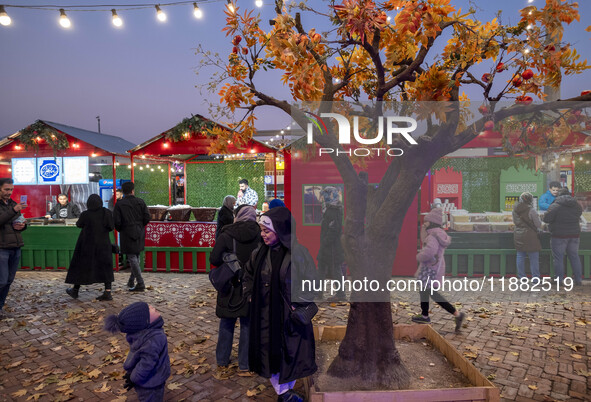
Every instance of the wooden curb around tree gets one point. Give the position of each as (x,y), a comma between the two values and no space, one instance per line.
(482,389)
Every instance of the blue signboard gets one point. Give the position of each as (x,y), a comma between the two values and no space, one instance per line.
(49,170)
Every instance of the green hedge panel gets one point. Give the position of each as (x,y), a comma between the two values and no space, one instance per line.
(152,187)
(481,179)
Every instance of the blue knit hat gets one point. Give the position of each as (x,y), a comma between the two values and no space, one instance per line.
(276,203)
(131,319)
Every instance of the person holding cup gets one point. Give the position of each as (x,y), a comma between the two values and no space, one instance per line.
(12,224)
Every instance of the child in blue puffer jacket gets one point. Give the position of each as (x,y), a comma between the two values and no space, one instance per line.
(147,365)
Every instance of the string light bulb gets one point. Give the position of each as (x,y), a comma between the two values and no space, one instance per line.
(117,21)
(231,7)
(4,18)
(160,14)
(64,20)
(259,3)
(197,11)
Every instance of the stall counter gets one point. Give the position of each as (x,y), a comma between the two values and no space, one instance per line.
(476,254)
(51,247)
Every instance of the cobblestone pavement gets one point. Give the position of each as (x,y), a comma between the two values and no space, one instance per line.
(532,346)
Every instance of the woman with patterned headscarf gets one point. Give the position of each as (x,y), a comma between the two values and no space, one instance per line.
(331,255)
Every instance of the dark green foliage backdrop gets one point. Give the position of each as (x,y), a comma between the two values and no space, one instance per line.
(481,179)
(582,178)
(150,186)
(209,183)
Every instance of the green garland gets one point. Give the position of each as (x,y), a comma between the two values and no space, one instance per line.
(30,136)
(191,125)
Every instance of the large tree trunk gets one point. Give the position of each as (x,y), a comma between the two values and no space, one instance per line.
(368,351)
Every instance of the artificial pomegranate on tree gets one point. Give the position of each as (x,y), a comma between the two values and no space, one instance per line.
(364,55)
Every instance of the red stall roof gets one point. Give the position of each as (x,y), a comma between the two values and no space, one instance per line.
(109,143)
(196,144)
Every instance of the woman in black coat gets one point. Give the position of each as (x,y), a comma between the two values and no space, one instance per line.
(226,214)
(245,235)
(92,261)
(281,348)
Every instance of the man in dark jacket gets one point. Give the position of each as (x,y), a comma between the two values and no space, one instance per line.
(64,209)
(563,218)
(242,237)
(131,216)
(11,241)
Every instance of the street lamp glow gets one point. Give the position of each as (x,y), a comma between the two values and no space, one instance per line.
(197,11)
(259,3)
(117,21)
(64,20)
(160,14)
(4,18)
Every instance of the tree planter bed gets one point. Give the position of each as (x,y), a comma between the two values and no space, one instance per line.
(481,390)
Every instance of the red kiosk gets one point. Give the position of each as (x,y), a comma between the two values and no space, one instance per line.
(185,246)
(50,246)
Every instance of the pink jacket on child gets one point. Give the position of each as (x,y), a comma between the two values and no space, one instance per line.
(431,254)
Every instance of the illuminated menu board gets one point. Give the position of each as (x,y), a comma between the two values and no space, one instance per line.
(24,171)
(50,170)
(76,170)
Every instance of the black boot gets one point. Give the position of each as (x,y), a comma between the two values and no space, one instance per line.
(72,292)
(105,296)
(130,283)
(290,396)
(138,288)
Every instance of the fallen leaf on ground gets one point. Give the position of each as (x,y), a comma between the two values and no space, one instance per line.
(494,359)
(532,387)
(515,353)
(18,393)
(35,397)
(173,385)
(576,356)
(94,373)
(104,388)
(471,355)
(547,336)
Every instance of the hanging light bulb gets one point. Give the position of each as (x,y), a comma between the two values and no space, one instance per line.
(197,11)
(64,20)
(259,3)
(231,7)
(117,21)
(4,18)
(160,14)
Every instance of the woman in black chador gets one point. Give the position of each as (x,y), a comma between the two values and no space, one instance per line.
(92,261)
(281,343)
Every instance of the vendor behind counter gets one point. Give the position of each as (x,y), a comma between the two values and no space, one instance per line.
(63,209)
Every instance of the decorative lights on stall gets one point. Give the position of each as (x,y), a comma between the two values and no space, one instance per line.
(65,22)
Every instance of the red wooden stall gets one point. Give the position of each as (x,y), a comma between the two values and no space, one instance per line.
(184,246)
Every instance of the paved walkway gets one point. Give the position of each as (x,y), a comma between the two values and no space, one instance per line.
(533,346)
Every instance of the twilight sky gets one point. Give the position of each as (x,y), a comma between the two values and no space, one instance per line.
(141,78)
